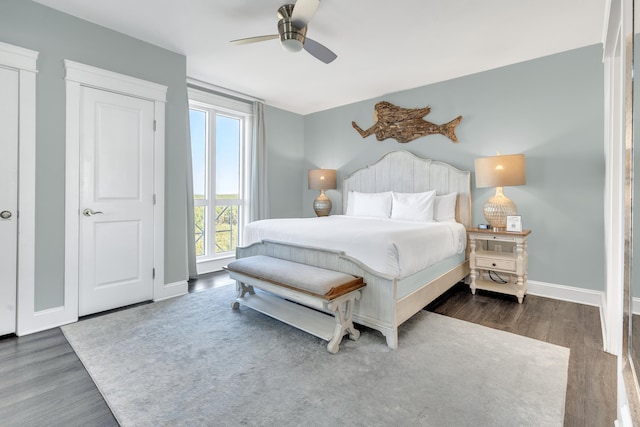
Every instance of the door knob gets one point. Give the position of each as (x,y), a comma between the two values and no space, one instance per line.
(5,214)
(89,212)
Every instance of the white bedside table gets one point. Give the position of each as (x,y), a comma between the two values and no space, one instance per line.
(502,254)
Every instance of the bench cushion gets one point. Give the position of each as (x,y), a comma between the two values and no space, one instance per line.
(320,282)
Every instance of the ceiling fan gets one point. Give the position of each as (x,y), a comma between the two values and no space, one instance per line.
(292,31)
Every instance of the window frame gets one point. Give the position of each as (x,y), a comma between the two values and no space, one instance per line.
(215,105)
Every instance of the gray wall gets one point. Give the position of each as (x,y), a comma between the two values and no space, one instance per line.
(550,109)
(58,36)
(284,134)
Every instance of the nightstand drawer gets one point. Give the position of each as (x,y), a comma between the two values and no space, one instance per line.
(493,263)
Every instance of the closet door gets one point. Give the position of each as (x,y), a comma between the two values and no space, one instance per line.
(8,198)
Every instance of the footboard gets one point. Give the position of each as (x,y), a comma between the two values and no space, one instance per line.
(380,307)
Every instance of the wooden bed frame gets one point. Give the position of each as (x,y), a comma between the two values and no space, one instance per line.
(386,301)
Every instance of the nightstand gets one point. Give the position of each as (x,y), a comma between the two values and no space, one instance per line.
(498,261)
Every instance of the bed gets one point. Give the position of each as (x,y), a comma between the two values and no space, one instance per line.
(397,284)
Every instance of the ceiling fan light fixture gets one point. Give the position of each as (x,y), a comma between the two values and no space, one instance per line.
(292,45)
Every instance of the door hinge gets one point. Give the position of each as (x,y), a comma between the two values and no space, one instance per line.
(153,274)
(154,125)
(154,199)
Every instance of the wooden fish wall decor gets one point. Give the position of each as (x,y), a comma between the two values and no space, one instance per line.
(405,124)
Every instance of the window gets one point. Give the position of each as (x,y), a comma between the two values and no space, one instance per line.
(220,141)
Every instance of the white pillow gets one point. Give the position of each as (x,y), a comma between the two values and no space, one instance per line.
(444,208)
(413,206)
(376,205)
(349,211)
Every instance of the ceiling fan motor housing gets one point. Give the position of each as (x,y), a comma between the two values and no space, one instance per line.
(291,37)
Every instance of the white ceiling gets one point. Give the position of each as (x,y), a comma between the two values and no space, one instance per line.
(383,46)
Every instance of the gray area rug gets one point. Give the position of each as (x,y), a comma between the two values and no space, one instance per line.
(192,361)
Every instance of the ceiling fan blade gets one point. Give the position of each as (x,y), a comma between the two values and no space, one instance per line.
(319,51)
(303,11)
(254,39)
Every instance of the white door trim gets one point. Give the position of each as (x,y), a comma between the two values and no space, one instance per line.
(617,58)
(98,78)
(78,75)
(613,59)
(25,62)
(18,57)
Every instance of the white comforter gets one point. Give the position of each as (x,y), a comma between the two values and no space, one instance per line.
(391,247)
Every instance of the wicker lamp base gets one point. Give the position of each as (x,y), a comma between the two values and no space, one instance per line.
(497,208)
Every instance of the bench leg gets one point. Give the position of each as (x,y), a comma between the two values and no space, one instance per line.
(343,312)
(242,290)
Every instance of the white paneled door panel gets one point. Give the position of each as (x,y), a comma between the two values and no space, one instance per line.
(116,201)
(8,198)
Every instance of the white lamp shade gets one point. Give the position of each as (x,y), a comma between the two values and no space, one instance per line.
(322,179)
(501,171)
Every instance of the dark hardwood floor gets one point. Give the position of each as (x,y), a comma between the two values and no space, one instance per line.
(43,383)
(210,280)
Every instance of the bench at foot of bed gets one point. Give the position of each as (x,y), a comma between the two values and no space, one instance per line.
(295,294)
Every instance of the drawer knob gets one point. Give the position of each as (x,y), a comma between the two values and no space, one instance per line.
(493,264)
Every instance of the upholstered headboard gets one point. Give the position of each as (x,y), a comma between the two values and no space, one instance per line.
(404,172)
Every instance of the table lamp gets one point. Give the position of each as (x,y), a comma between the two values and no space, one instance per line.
(500,171)
(322,179)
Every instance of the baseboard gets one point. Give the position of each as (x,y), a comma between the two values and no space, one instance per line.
(171,290)
(58,316)
(38,321)
(565,293)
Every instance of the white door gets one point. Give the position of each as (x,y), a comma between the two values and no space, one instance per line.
(116,201)
(8,198)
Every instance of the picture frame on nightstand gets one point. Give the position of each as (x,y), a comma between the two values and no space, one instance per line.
(514,223)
